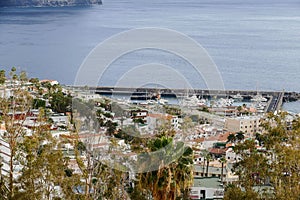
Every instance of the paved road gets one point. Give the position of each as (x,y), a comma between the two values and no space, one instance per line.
(275,103)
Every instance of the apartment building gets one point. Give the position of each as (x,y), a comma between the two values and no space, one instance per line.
(247,124)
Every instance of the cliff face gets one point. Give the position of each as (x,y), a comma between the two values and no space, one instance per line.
(48,2)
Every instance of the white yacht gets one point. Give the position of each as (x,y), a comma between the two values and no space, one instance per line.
(151,102)
(237,97)
(193,101)
(259,98)
(162,101)
(220,103)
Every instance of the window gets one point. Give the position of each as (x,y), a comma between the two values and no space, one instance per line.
(194,192)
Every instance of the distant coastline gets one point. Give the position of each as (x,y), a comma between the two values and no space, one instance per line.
(48,3)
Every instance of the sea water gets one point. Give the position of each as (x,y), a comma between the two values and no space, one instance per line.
(255,44)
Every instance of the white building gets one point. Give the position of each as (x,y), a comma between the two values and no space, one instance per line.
(207,188)
(231,156)
(60,119)
(155,119)
(5,93)
(86,96)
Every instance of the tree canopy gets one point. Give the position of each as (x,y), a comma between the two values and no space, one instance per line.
(272,171)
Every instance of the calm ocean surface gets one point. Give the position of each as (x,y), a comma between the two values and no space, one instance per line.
(255,44)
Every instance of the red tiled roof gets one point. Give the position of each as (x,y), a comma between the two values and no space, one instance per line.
(223,137)
(217,150)
(229,145)
(198,140)
(161,116)
(211,138)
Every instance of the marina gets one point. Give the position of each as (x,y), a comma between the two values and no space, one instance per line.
(271,101)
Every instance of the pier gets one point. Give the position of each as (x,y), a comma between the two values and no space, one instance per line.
(275,102)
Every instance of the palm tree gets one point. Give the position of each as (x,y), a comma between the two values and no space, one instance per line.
(259,138)
(231,138)
(23,76)
(12,72)
(239,108)
(222,161)
(240,136)
(204,154)
(208,159)
(2,77)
